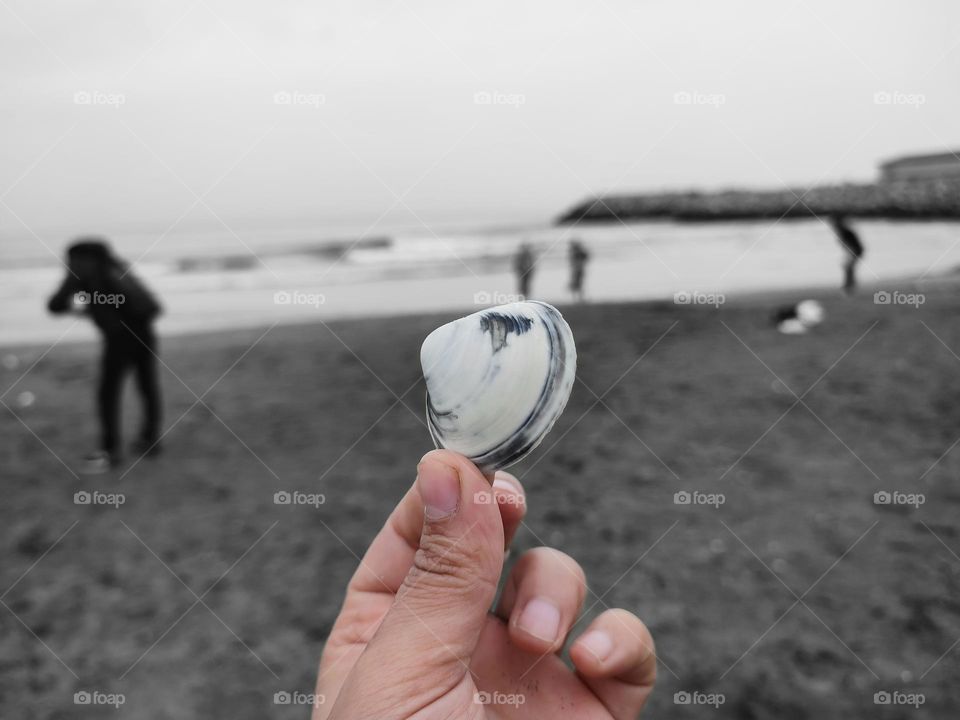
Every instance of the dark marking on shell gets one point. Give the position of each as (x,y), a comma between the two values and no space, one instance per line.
(434,413)
(434,420)
(522,443)
(500,326)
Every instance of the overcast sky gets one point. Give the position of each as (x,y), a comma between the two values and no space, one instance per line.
(137,116)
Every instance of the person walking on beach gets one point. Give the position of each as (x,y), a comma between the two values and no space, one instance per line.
(101,287)
(578,264)
(523,266)
(852,247)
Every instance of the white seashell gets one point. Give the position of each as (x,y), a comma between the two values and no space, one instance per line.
(497,380)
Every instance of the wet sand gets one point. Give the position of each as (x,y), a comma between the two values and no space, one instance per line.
(687,405)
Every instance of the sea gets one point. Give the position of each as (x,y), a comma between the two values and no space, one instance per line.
(229,279)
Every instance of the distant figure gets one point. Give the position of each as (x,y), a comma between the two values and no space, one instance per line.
(100,286)
(852,246)
(523,266)
(578,264)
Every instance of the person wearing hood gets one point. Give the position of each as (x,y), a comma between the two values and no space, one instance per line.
(101,287)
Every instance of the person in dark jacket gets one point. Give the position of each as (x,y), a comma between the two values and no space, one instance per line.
(853,249)
(101,287)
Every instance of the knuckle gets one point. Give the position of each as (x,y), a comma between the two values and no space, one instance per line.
(443,562)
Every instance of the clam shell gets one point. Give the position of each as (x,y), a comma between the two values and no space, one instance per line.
(497,380)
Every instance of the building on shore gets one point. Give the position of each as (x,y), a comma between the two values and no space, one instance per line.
(922,167)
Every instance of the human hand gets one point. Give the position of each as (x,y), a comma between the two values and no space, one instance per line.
(414,637)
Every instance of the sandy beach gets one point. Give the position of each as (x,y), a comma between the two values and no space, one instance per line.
(798,596)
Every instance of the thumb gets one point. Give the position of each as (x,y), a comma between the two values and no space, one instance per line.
(435,621)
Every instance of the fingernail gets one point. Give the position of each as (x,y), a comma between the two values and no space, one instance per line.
(439,487)
(506,490)
(502,480)
(598,643)
(540,618)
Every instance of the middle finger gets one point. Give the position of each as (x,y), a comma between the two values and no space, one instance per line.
(541,599)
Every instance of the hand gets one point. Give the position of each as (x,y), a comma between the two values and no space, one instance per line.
(415,639)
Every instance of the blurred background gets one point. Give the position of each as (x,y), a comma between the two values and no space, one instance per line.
(309,189)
